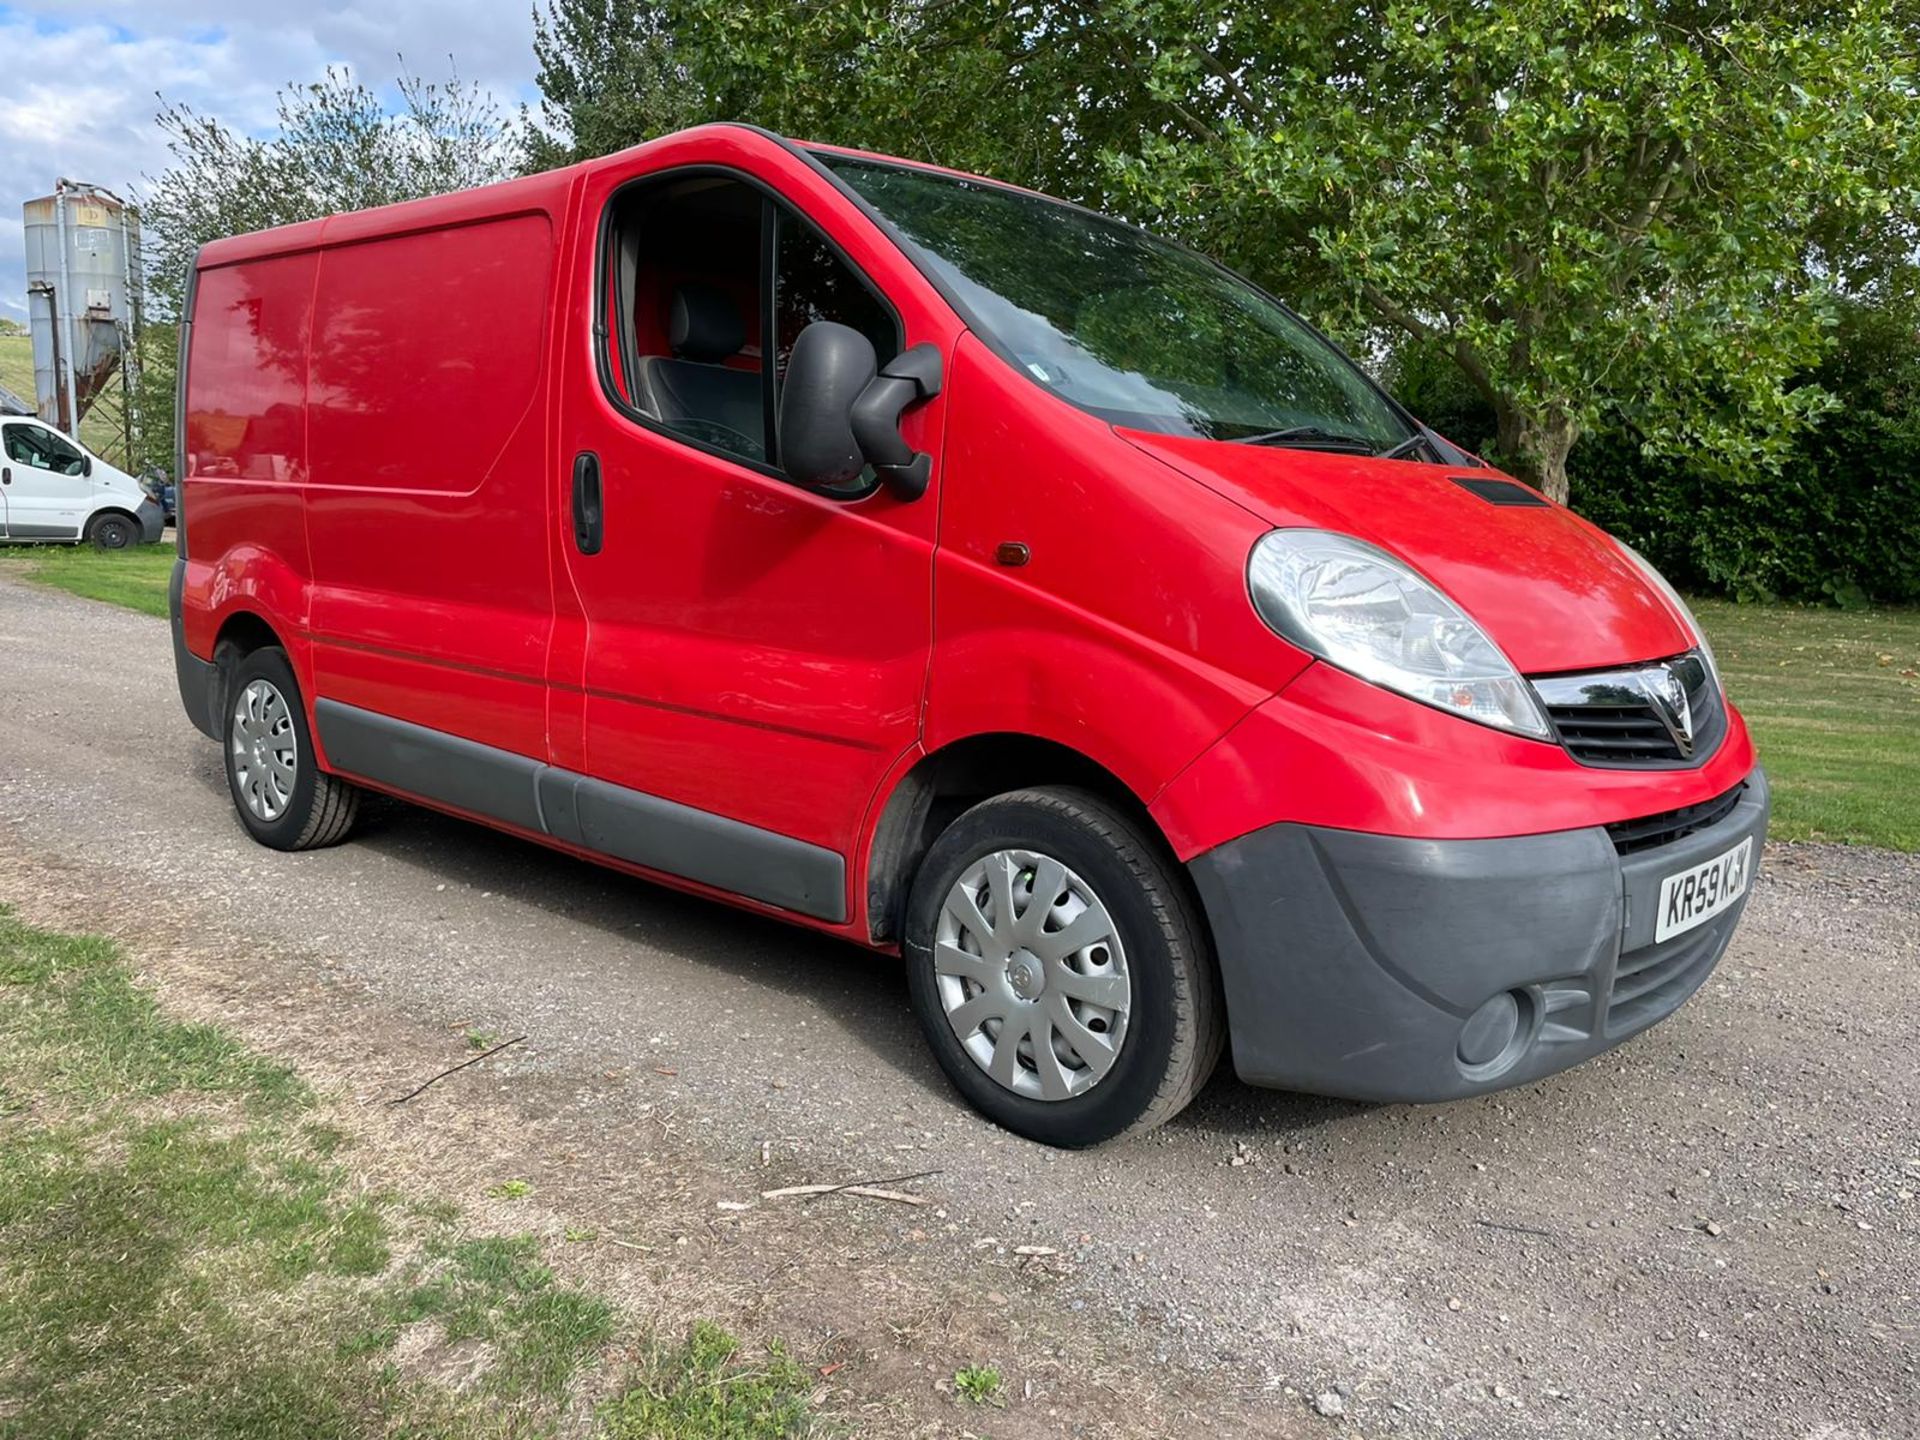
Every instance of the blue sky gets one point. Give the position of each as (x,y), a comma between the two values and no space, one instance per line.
(78,82)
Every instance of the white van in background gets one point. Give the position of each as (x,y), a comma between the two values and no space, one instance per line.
(53,489)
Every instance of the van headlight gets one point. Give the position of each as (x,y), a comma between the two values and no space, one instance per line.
(1660,583)
(1357,607)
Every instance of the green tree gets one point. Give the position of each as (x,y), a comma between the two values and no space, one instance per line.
(993,85)
(337,146)
(1637,205)
(1585,206)
(609,77)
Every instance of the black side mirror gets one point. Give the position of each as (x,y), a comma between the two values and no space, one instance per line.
(837,414)
(909,378)
(831,364)
(86,464)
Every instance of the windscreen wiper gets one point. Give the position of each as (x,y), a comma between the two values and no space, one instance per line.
(1415,441)
(1310,437)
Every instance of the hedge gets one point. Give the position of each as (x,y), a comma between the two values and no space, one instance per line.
(1839,522)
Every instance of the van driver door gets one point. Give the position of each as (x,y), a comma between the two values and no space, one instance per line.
(47,492)
(749,657)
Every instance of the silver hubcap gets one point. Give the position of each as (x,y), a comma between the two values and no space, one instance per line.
(264,751)
(1032,975)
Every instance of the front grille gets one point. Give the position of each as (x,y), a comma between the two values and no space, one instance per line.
(1651,981)
(1646,717)
(1651,831)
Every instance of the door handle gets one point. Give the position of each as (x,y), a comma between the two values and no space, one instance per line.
(6,476)
(589,516)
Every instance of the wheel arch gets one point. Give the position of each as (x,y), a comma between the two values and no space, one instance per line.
(99,513)
(241,633)
(244,631)
(944,782)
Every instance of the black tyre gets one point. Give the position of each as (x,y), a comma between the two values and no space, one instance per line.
(283,798)
(112,532)
(1060,970)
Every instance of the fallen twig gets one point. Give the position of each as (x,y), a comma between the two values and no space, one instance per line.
(1517,1229)
(458,1068)
(870,1184)
(871,1192)
(870,1189)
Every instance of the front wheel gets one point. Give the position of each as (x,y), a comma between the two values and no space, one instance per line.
(1059,969)
(112,532)
(283,797)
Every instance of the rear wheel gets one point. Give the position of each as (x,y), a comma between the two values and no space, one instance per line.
(1059,969)
(283,798)
(112,532)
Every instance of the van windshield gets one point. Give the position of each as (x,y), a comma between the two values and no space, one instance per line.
(1138,331)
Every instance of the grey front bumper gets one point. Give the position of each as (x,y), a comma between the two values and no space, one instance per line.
(1354,963)
(152,520)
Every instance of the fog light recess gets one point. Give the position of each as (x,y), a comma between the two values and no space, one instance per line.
(1498,1034)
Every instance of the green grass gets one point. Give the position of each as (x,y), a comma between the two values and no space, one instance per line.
(712,1389)
(1833,699)
(185,1249)
(136,578)
(96,428)
(16,365)
(978,1383)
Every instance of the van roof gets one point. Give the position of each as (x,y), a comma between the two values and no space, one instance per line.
(544,191)
(462,207)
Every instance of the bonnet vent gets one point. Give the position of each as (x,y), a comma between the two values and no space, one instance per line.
(1499,492)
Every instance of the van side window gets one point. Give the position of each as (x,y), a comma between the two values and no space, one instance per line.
(43,450)
(812,283)
(690,257)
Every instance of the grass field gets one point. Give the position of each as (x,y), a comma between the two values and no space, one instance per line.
(1833,696)
(16,365)
(97,429)
(135,578)
(187,1248)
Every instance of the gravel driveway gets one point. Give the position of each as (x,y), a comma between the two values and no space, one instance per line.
(1710,1232)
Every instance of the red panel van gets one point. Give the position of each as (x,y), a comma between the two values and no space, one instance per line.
(968,575)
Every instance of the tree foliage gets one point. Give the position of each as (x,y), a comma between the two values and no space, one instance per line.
(337,146)
(609,77)
(1588,206)
(1833,522)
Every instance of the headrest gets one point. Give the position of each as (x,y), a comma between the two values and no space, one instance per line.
(705,324)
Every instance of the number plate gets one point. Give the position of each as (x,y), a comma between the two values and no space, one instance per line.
(1695,896)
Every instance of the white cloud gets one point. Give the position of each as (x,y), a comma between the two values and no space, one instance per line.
(78,81)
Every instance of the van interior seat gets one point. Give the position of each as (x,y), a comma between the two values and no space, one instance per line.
(693,388)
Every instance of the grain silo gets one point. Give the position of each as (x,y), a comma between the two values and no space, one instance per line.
(83,299)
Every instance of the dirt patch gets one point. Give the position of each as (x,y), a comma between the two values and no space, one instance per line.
(423,1352)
